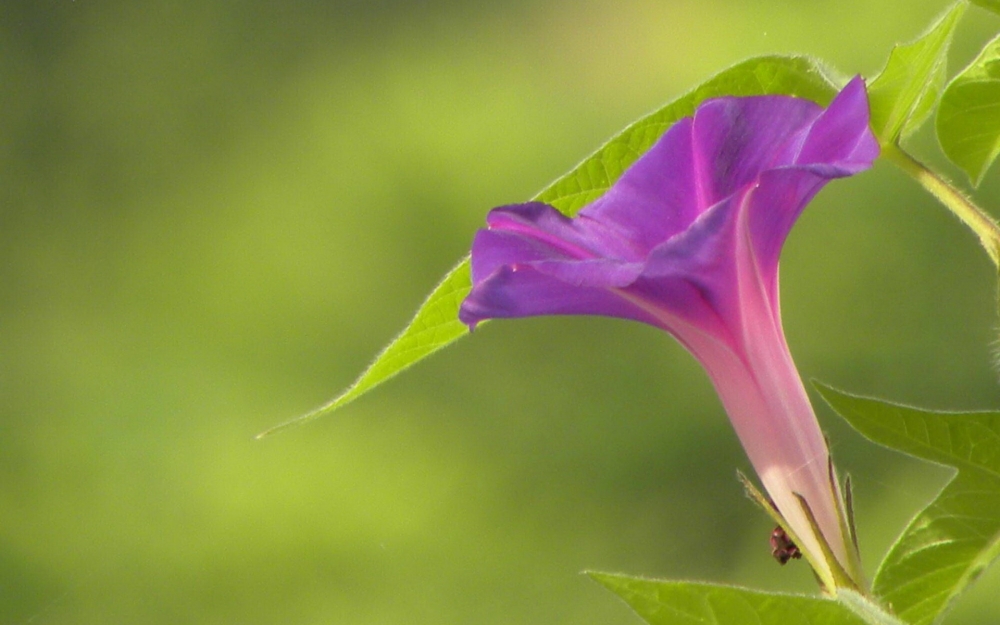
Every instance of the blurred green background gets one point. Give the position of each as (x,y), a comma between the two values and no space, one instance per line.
(215,213)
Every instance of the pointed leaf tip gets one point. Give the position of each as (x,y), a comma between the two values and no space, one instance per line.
(435,326)
(903,95)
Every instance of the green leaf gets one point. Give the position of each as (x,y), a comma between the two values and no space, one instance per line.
(693,603)
(904,94)
(436,322)
(968,119)
(989,5)
(949,543)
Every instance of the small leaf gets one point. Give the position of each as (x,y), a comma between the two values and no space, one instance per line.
(968,119)
(954,539)
(692,603)
(989,5)
(436,323)
(904,94)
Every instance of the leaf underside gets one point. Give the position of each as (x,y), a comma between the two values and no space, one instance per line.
(948,544)
(436,323)
(989,5)
(692,603)
(968,119)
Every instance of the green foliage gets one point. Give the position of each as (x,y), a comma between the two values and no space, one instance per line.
(436,322)
(968,118)
(989,5)
(903,95)
(681,603)
(949,543)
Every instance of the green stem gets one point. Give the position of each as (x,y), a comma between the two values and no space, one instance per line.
(867,610)
(966,210)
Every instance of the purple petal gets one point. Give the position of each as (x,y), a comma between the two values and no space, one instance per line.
(534,231)
(841,137)
(657,196)
(665,235)
(524,291)
(738,138)
(838,144)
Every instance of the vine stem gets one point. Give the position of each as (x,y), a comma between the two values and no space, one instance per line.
(957,202)
(867,610)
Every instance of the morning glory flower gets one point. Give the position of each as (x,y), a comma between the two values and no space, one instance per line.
(687,240)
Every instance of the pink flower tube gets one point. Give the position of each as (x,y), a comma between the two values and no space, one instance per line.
(688,240)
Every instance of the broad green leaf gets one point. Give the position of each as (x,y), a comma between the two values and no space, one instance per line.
(949,543)
(436,322)
(989,5)
(904,94)
(968,118)
(693,603)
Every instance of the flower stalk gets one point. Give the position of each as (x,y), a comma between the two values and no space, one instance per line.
(954,200)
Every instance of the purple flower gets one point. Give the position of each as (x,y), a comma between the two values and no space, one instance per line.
(688,240)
